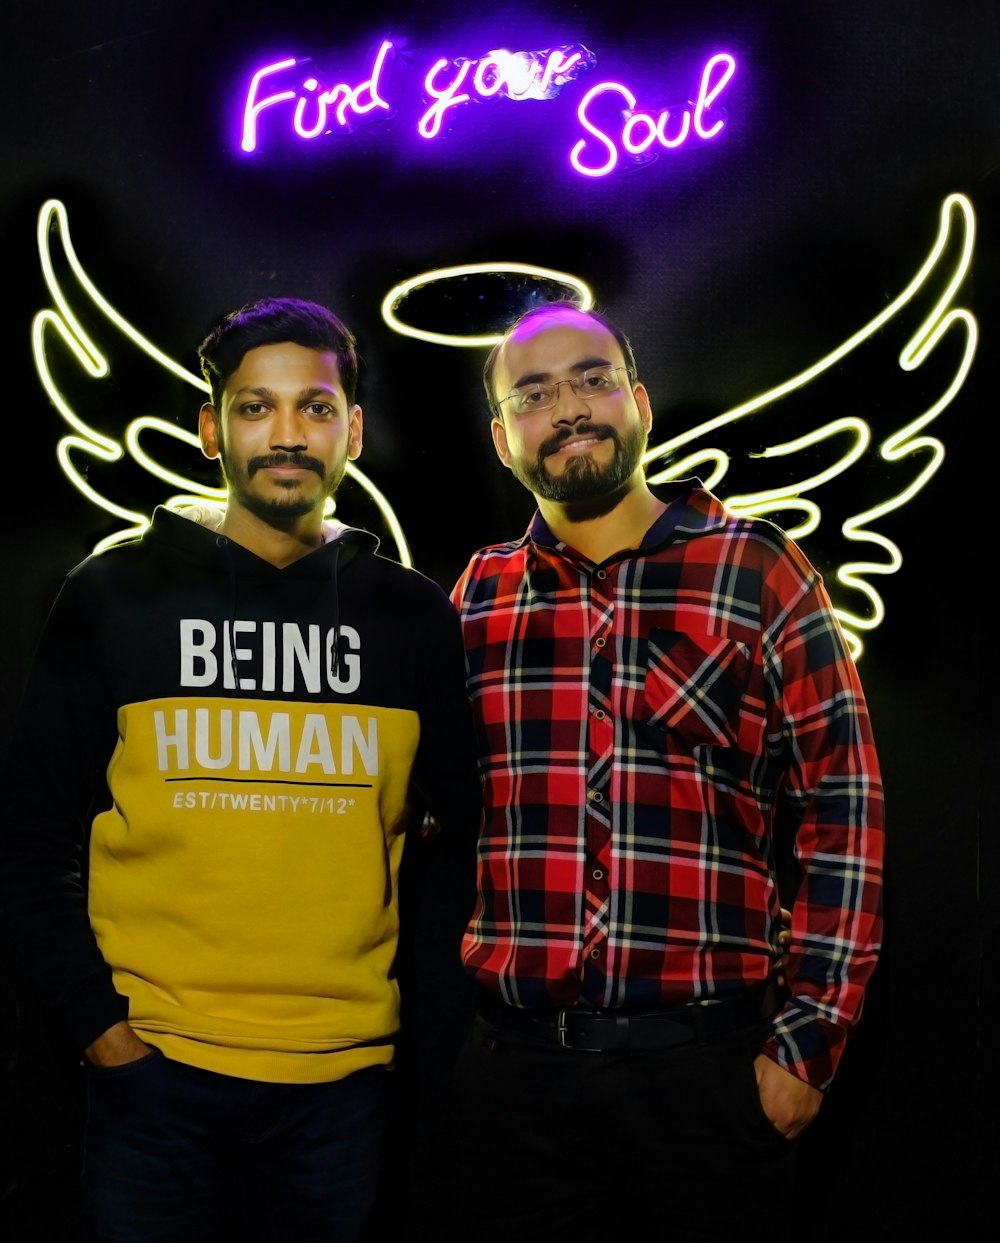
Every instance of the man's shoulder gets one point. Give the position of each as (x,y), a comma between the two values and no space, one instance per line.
(500,553)
(112,561)
(763,538)
(716,534)
(492,561)
(405,584)
(699,514)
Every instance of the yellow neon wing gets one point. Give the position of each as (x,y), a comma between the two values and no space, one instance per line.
(828,449)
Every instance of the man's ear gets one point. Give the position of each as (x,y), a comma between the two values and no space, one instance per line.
(642,401)
(355,433)
(500,440)
(208,430)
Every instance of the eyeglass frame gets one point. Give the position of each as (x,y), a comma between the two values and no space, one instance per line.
(574,383)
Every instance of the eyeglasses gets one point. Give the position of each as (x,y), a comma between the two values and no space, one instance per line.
(594,382)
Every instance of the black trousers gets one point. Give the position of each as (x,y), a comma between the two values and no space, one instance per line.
(665,1145)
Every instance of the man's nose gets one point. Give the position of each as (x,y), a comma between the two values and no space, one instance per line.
(288,429)
(569,405)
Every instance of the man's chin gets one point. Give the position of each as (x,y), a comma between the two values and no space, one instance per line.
(280,509)
(580,471)
(582,483)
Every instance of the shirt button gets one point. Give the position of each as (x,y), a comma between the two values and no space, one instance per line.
(597,874)
(599,642)
(595,796)
(599,714)
(595,953)
(601,574)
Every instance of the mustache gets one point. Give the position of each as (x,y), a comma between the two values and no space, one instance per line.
(600,431)
(299,460)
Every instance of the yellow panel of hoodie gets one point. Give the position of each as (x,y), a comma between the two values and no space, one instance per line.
(243,883)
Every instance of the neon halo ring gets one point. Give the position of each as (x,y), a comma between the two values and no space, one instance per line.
(399,292)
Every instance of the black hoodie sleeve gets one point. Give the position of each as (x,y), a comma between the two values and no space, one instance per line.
(53,783)
(446,772)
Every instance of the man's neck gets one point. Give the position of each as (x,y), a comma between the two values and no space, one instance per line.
(279,545)
(598,532)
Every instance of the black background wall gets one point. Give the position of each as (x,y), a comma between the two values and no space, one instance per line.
(734,263)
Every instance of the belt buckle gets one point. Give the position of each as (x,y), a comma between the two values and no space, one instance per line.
(577,1043)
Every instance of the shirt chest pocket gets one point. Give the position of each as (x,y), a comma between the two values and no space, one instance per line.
(694,685)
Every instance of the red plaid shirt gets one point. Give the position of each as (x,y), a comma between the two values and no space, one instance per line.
(650,731)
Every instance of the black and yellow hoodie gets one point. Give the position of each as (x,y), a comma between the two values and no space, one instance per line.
(207,790)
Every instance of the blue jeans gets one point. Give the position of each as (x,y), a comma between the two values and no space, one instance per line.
(173,1154)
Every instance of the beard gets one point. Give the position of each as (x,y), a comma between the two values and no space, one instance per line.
(292,503)
(582,480)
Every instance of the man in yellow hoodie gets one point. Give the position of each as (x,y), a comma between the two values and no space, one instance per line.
(205,807)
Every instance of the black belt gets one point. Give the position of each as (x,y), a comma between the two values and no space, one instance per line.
(616,1031)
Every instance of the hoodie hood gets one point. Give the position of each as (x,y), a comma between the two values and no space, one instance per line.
(192,533)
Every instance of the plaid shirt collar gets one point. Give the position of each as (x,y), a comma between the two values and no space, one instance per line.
(691,511)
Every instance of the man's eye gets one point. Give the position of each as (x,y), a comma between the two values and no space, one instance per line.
(596,381)
(318,410)
(533,396)
(253,408)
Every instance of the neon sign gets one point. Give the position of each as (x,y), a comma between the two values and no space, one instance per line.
(915,454)
(279,99)
(357,100)
(517,75)
(639,130)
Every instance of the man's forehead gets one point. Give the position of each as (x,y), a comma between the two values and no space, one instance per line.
(563,317)
(285,363)
(568,333)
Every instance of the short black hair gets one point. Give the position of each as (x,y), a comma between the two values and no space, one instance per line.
(269,321)
(537,312)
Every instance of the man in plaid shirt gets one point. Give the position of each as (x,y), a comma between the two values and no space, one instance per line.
(664,700)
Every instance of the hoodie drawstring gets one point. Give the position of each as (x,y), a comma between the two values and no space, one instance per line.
(231,623)
(335,629)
